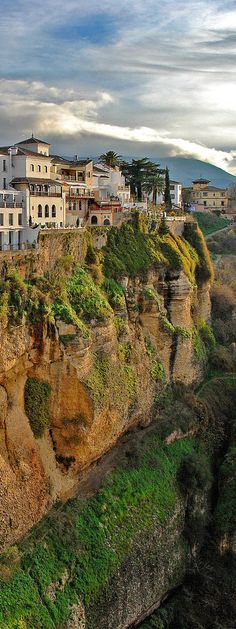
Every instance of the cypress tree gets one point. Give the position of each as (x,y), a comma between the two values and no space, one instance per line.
(167,197)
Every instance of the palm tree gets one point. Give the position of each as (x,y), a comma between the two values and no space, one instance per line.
(110,159)
(155,185)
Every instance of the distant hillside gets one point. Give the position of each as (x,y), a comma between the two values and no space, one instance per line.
(185,169)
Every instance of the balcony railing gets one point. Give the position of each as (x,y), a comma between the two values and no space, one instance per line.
(10,204)
(19,246)
(41,193)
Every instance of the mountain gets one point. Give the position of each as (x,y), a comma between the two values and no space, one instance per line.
(185,169)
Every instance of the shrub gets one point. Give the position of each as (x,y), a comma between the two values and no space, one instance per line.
(36,396)
(114,291)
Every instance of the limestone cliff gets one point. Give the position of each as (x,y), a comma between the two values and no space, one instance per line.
(101,383)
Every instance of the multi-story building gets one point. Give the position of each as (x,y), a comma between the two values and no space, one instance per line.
(176,193)
(29,172)
(204,197)
(76,176)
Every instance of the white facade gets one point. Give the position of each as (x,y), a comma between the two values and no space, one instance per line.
(176,193)
(11,220)
(109,182)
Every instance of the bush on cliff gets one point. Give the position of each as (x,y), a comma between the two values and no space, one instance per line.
(36,396)
(194,472)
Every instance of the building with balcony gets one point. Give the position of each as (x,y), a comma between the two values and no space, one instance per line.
(109,183)
(29,172)
(208,198)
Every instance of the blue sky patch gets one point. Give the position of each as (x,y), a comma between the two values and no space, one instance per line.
(94,29)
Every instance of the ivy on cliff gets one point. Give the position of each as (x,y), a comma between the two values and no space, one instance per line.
(36,397)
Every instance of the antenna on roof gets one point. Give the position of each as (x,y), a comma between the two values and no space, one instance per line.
(32,135)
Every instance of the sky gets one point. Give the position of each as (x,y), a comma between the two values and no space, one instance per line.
(138,77)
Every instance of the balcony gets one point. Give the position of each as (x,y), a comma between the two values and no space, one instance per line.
(10,204)
(35,193)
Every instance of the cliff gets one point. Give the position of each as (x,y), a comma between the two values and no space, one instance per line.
(84,354)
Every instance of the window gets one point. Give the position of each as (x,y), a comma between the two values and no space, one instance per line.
(4,183)
(204,203)
(39,168)
(172,187)
(222,203)
(10,236)
(106,221)
(32,168)
(54,211)
(10,218)
(1,219)
(205,194)
(19,219)
(74,206)
(46,211)
(94,220)
(45,169)
(40,211)
(4,165)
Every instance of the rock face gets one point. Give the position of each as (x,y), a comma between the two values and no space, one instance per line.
(100,387)
(154,565)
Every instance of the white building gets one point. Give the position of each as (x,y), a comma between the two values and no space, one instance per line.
(26,166)
(11,220)
(109,183)
(176,193)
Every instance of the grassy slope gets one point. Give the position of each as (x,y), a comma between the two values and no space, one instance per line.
(210,223)
(91,539)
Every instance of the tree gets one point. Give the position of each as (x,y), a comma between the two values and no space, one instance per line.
(154,186)
(167,197)
(110,159)
(139,173)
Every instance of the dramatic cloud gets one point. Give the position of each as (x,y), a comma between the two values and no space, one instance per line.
(162,75)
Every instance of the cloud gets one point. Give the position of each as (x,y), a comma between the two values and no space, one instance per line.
(159,73)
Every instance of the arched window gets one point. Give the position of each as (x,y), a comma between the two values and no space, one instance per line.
(77,222)
(32,168)
(39,168)
(45,169)
(40,211)
(46,211)
(106,221)
(54,211)
(74,206)
(94,220)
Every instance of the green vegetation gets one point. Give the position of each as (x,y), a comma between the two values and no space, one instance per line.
(223,242)
(129,251)
(209,222)
(36,397)
(115,293)
(89,541)
(204,267)
(112,383)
